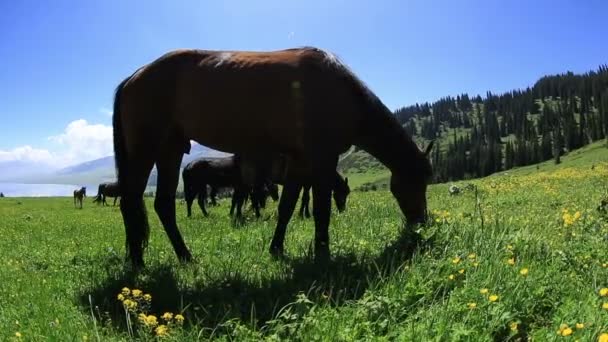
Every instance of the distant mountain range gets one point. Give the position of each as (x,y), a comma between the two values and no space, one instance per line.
(88,173)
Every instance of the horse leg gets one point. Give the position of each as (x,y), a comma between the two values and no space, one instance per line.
(287,203)
(306,199)
(164,203)
(189,197)
(115,198)
(202,198)
(304,212)
(233,202)
(212,195)
(323,172)
(240,201)
(257,198)
(132,206)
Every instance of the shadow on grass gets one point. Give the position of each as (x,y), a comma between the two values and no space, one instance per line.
(208,304)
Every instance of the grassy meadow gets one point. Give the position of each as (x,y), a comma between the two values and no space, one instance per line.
(523,256)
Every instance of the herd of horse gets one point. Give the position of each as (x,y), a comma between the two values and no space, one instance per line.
(286,114)
(203,178)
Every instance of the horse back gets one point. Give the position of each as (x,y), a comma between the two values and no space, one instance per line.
(244,101)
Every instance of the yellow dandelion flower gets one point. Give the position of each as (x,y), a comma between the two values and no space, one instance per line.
(461,271)
(125,291)
(603,338)
(142,318)
(161,330)
(472,305)
(580,325)
(604,292)
(483,291)
(147,297)
(179,319)
(136,293)
(151,321)
(120,297)
(567,332)
(475,264)
(523,272)
(451,277)
(510,247)
(513,326)
(456,260)
(472,256)
(605,306)
(167,316)
(605,265)
(129,304)
(493,298)
(511,261)
(577,215)
(18,334)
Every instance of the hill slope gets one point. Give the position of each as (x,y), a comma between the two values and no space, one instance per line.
(102,169)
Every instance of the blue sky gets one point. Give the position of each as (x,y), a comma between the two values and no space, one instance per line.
(60,60)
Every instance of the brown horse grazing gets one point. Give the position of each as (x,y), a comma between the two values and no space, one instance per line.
(79,195)
(108,189)
(301,102)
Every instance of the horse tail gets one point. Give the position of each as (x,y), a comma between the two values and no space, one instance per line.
(131,211)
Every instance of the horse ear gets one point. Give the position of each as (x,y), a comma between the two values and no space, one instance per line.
(428,148)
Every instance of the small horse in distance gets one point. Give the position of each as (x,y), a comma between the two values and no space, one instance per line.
(108,189)
(303,102)
(79,195)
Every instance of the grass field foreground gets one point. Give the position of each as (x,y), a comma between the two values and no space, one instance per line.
(523,255)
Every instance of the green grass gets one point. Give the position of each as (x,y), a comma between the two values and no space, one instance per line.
(62,268)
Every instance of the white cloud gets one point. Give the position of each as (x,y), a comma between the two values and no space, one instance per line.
(26,153)
(82,141)
(79,142)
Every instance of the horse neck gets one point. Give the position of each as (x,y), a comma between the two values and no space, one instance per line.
(382,136)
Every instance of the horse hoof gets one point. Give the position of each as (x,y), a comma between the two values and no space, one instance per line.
(277,252)
(137,266)
(322,255)
(186,258)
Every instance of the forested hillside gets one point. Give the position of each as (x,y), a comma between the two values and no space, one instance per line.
(477,136)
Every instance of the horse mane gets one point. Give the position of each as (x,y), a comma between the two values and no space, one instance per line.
(377,115)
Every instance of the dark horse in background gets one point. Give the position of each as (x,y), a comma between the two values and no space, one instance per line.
(301,102)
(79,195)
(223,173)
(341,190)
(108,189)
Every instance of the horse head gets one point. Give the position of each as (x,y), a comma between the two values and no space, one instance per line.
(409,184)
(341,191)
